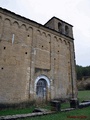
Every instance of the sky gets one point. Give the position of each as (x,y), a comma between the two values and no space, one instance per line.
(75,12)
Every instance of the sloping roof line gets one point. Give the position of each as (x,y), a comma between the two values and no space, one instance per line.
(59,20)
(5,10)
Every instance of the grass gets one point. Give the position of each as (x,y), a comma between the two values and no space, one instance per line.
(65,105)
(82,95)
(16,111)
(75,114)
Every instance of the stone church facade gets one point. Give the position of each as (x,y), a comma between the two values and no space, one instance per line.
(37,62)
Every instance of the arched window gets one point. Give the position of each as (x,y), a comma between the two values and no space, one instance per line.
(60,27)
(66,30)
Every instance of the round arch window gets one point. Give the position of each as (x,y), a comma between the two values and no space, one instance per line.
(60,27)
(66,30)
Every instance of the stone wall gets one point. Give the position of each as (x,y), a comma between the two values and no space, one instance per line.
(15,57)
(28,50)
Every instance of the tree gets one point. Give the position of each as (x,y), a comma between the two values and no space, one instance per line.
(82,71)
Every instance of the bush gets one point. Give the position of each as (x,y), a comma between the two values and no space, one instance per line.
(87,87)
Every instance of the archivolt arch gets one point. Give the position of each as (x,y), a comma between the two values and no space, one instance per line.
(44,34)
(16,24)
(38,32)
(30,28)
(30,31)
(8,21)
(42,77)
(23,26)
(55,38)
(60,40)
(49,35)
(65,42)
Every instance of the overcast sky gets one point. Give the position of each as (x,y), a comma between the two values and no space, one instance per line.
(75,12)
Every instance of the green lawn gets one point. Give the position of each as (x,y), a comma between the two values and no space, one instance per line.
(16,111)
(82,95)
(79,114)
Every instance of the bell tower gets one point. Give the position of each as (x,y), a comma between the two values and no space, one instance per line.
(60,26)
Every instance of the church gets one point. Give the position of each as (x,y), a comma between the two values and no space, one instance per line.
(37,62)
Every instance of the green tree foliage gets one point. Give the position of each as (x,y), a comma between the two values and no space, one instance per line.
(82,71)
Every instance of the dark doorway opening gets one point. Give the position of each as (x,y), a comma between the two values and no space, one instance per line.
(41,89)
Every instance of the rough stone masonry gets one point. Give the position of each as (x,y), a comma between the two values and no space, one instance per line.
(37,62)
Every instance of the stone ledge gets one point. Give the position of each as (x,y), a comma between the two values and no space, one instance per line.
(84,104)
(68,109)
(41,112)
(12,117)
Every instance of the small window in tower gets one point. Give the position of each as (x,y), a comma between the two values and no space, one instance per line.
(60,27)
(66,30)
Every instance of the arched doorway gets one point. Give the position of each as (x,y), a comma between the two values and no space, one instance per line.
(41,88)
(42,85)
